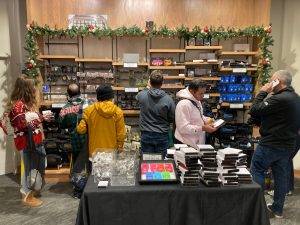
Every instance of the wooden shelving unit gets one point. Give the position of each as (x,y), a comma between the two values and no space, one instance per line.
(122,64)
(201,63)
(93,60)
(204,47)
(57,175)
(231,69)
(237,53)
(172,87)
(166,67)
(214,94)
(57,57)
(167,50)
(203,78)
(174,77)
(129,112)
(246,104)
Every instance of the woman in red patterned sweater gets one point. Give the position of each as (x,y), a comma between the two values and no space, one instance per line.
(23,112)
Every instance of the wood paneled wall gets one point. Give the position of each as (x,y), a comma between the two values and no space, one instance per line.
(173,13)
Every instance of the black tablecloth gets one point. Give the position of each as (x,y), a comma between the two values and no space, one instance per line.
(172,204)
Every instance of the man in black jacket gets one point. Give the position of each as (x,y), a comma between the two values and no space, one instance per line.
(157,112)
(279,116)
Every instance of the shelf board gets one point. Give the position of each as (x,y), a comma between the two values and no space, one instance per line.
(118,88)
(231,69)
(237,53)
(214,94)
(50,102)
(122,63)
(204,47)
(92,60)
(201,63)
(166,67)
(56,57)
(246,104)
(167,50)
(172,87)
(174,77)
(130,112)
(203,78)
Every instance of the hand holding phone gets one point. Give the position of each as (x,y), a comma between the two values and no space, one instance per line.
(275,83)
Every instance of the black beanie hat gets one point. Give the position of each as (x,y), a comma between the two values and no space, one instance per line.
(104,92)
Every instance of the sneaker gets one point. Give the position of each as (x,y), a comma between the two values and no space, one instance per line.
(273,212)
(289,193)
(271,193)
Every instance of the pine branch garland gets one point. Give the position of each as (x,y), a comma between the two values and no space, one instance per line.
(33,65)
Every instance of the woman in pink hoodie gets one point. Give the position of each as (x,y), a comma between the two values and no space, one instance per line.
(191,125)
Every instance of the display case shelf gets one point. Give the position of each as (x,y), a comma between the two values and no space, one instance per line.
(93,60)
(166,67)
(204,47)
(167,50)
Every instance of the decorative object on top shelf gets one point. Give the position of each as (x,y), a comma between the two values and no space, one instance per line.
(87,20)
(32,64)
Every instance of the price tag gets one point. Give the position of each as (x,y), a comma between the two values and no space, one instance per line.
(131,90)
(236,106)
(130,65)
(239,70)
(58,105)
(206,96)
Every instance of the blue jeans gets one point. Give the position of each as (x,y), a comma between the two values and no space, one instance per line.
(278,159)
(154,142)
(24,187)
(290,172)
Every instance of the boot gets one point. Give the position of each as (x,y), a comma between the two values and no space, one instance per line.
(37,194)
(30,200)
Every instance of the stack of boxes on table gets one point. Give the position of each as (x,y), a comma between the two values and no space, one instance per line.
(213,168)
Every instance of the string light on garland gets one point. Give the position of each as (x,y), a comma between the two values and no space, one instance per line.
(33,65)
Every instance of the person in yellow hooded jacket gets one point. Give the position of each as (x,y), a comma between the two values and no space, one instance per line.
(104,122)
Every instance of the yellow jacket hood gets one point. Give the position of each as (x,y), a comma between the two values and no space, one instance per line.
(106,108)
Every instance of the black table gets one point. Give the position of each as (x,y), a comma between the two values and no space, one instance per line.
(172,204)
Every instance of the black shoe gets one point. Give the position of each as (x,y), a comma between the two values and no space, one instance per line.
(273,212)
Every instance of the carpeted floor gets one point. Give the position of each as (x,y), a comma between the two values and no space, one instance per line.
(61,208)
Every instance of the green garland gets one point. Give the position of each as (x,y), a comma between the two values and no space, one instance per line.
(33,65)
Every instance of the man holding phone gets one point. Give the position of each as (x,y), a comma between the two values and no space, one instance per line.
(279,116)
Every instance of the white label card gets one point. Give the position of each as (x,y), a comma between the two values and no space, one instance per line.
(131,90)
(206,96)
(239,70)
(236,106)
(130,65)
(58,105)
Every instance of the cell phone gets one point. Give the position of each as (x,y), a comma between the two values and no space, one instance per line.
(218,123)
(275,83)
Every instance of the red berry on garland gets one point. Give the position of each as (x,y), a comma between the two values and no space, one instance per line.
(264,62)
(205,29)
(29,65)
(147,30)
(91,27)
(269,30)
